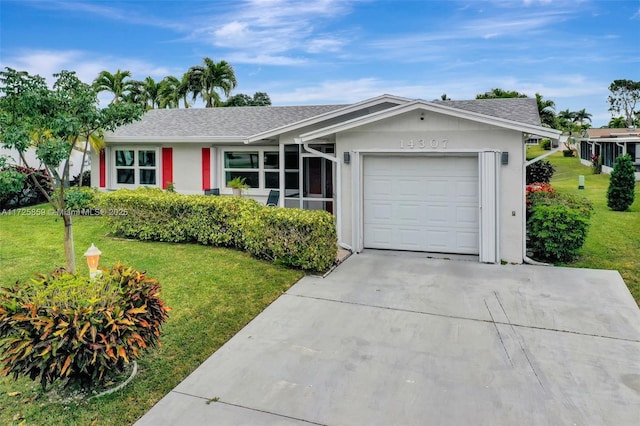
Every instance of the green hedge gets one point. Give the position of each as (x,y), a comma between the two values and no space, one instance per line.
(557,225)
(298,238)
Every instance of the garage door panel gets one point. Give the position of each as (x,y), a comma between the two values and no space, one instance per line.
(381,236)
(467,242)
(436,215)
(421,203)
(466,189)
(408,188)
(379,188)
(379,211)
(467,216)
(408,213)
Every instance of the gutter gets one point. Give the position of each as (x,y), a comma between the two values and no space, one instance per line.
(336,161)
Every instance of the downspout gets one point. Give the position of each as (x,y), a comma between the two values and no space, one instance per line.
(526,259)
(339,186)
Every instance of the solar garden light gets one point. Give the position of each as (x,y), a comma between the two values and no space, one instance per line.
(93,257)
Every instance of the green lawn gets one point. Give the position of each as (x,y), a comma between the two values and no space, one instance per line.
(613,241)
(213,293)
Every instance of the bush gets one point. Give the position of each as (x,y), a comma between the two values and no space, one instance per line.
(11,182)
(568,153)
(546,144)
(539,172)
(67,327)
(84,180)
(84,200)
(557,225)
(622,184)
(303,239)
(28,194)
(298,238)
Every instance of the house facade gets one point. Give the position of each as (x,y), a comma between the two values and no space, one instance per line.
(397,173)
(609,144)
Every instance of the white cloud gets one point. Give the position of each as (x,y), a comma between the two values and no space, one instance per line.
(47,62)
(257,31)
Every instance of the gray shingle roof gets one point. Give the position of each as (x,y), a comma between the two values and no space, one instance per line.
(522,110)
(233,122)
(243,122)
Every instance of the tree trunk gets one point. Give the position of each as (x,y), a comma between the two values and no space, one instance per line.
(69,251)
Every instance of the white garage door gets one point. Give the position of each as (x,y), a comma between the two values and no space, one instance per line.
(421,203)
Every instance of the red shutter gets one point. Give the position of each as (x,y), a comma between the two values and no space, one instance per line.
(167,167)
(103,169)
(206,168)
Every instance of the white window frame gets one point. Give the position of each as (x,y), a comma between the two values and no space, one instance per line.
(136,168)
(261,169)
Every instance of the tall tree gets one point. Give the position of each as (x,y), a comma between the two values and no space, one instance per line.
(546,110)
(210,78)
(582,116)
(622,184)
(623,99)
(151,93)
(114,83)
(499,93)
(241,99)
(53,122)
(617,123)
(172,91)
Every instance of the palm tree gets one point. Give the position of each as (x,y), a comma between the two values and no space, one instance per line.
(114,83)
(617,123)
(207,79)
(546,109)
(565,120)
(170,92)
(581,116)
(151,93)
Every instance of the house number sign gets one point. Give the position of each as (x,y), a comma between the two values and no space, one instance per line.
(422,144)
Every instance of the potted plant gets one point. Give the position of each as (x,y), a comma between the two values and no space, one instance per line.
(237,185)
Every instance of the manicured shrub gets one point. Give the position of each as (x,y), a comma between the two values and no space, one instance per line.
(67,327)
(557,225)
(83,200)
(546,144)
(622,184)
(299,238)
(539,172)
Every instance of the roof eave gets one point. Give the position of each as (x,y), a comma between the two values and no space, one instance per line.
(175,139)
(327,116)
(430,106)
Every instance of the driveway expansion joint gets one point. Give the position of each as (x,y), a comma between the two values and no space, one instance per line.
(489,321)
(220,401)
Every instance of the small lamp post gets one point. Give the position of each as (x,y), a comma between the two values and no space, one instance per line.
(93,257)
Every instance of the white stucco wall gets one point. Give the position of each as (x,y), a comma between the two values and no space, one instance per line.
(461,136)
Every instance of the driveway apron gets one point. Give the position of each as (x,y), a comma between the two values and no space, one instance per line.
(399,338)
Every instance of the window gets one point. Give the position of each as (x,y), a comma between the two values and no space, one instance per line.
(259,168)
(136,167)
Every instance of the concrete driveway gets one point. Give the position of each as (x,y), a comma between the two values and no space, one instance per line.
(394,338)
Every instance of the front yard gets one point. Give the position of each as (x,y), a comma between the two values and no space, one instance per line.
(213,293)
(613,240)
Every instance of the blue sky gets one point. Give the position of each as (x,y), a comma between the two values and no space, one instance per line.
(339,51)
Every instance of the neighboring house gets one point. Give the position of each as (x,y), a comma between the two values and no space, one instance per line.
(75,163)
(609,144)
(398,173)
